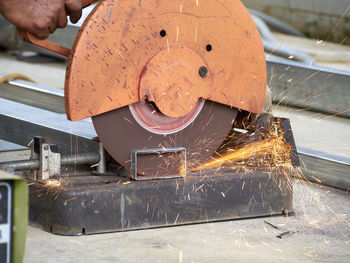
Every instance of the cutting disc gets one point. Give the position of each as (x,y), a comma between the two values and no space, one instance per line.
(142,126)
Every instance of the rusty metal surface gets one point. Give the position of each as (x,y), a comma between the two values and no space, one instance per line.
(120,134)
(87,205)
(120,39)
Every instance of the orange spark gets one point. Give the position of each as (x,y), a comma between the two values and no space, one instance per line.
(274,149)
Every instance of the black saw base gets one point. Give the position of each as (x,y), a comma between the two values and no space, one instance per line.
(97,204)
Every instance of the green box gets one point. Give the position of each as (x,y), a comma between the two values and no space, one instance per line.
(13,217)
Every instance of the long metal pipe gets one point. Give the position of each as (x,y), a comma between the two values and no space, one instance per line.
(34,164)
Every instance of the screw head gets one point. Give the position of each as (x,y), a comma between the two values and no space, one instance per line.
(203,71)
(46,147)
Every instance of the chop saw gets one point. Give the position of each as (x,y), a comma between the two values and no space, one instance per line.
(164,75)
(165,84)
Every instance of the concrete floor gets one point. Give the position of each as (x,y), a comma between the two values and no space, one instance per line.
(50,74)
(321,222)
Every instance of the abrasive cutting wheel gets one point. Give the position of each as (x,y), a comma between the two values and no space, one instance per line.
(164,74)
(140,126)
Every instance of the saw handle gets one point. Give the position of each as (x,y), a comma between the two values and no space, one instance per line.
(47,44)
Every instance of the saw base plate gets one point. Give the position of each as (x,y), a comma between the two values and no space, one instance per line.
(96,204)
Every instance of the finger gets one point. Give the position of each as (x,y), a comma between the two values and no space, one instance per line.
(38,29)
(53,25)
(62,19)
(74,11)
(42,34)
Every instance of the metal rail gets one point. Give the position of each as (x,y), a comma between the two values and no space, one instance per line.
(323,168)
(33,94)
(309,87)
(21,123)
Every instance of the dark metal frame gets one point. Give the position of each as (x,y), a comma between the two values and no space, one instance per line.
(96,204)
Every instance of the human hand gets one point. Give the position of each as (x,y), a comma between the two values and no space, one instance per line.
(40,17)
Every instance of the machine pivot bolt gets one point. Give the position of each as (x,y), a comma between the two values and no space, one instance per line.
(203,71)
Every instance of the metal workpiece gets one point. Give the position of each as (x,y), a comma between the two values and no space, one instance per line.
(96,204)
(12,152)
(33,94)
(309,87)
(289,138)
(176,161)
(21,123)
(323,168)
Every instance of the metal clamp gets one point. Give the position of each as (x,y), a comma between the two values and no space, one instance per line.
(50,161)
(135,153)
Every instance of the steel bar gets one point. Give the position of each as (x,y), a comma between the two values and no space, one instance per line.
(309,87)
(34,164)
(13,152)
(324,168)
(33,94)
(21,123)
